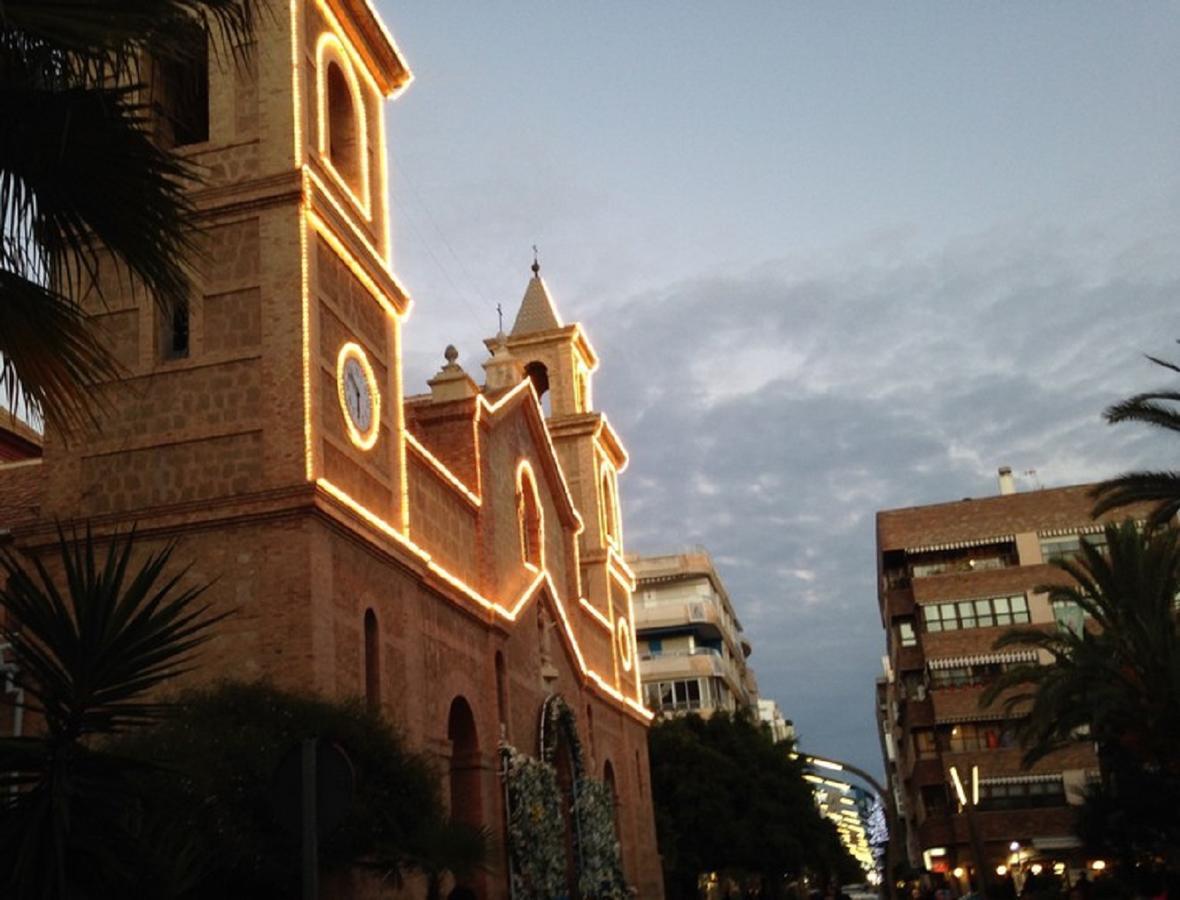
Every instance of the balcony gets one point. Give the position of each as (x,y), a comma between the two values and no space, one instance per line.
(705,619)
(917,713)
(899,602)
(701,662)
(908,659)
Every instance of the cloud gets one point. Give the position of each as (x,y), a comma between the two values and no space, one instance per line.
(771,412)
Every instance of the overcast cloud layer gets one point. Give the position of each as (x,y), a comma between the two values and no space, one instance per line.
(835,258)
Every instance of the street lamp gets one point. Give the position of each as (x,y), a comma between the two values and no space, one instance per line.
(972,827)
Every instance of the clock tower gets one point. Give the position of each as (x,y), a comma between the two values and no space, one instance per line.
(284,371)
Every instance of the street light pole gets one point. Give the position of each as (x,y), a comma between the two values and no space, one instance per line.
(886,803)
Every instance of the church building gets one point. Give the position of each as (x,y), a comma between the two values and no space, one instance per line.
(455,557)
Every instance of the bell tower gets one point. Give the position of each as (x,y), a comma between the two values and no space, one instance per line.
(560,361)
(285,368)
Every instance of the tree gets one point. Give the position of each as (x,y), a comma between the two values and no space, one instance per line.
(1117,679)
(1160,487)
(83,183)
(91,650)
(729,800)
(215,759)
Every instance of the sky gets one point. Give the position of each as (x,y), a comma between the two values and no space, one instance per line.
(835,258)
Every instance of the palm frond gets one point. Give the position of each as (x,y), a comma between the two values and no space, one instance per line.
(1147,408)
(91,655)
(50,356)
(1161,488)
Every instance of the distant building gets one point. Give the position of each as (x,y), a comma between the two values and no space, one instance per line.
(848,807)
(692,653)
(953,577)
(770,715)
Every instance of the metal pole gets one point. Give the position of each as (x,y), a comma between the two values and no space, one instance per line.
(311,866)
(886,802)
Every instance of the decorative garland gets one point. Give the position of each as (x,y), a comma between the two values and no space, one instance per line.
(601,873)
(536,833)
(536,828)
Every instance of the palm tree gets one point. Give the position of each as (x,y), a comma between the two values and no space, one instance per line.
(1161,488)
(90,651)
(1120,680)
(83,182)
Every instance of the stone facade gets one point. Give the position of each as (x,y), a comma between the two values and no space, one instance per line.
(474,532)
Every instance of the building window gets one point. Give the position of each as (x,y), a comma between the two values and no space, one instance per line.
(972,736)
(181,92)
(934,799)
(966,676)
(905,633)
(609,519)
(925,746)
(1027,795)
(655,646)
(344,149)
(1069,616)
(987,613)
(679,696)
(174,330)
(1056,549)
(372,661)
(528,514)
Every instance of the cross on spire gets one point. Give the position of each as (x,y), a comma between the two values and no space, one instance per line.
(536,262)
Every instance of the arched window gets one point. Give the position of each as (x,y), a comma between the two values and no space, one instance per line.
(502,693)
(609,513)
(343,135)
(343,140)
(372,661)
(528,515)
(538,374)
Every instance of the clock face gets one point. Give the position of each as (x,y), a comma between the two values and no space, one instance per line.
(359,399)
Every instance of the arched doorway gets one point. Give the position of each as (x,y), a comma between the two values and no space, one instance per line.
(466,777)
(466,805)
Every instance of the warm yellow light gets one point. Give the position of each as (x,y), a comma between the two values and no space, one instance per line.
(1098,865)
(1037,868)
(959,872)
(975,785)
(363,439)
(958,783)
(624,635)
(1001,870)
(1058,868)
(825,764)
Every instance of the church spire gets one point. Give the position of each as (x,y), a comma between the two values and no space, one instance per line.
(537,312)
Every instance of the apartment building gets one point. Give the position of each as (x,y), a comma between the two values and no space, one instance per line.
(953,577)
(692,653)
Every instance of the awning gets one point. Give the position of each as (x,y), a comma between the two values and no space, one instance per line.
(1072,529)
(984,659)
(1022,779)
(973,717)
(961,545)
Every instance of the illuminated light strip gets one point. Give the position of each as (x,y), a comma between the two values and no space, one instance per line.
(441,468)
(308,442)
(357,60)
(296,92)
(619,567)
(383,171)
(399,416)
(325,231)
(509,614)
(625,642)
(598,617)
(331,16)
(330,49)
(353,351)
(379,257)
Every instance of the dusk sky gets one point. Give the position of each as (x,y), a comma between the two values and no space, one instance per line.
(835,258)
